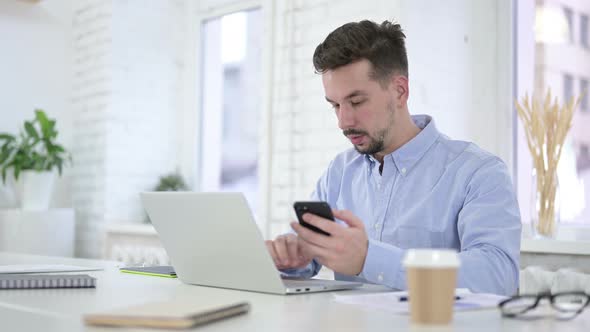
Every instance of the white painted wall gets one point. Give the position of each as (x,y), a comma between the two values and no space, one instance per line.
(35,71)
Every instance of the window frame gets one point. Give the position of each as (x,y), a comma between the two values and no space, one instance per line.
(584,31)
(190,121)
(569,15)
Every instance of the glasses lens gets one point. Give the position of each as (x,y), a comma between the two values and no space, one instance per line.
(518,305)
(570,302)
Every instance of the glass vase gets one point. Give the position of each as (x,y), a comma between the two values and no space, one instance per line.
(545,205)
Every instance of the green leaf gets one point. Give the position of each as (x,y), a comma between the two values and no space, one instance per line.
(31,131)
(53,132)
(59,148)
(7,137)
(3,156)
(16,171)
(6,146)
(4,175)
(41,117)
(45,123)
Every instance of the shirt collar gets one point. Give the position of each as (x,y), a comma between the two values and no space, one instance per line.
(405,157)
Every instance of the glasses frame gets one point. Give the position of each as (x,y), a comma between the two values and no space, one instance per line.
(537,299)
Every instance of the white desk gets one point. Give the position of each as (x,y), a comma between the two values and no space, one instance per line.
(62,309)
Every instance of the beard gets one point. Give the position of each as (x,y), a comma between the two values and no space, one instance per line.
(376,143)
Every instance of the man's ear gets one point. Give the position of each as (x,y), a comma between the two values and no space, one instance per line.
(401,89)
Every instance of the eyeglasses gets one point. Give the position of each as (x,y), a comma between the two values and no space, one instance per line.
(567,305)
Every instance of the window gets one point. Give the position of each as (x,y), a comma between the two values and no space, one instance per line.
(584,91)
(544,63)
(584,31)
(569,16)
(231,61)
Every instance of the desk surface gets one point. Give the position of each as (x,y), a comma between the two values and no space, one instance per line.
(62,309)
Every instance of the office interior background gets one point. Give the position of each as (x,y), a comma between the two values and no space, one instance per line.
(224,93)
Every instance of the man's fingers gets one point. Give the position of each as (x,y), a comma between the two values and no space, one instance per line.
(349,218)
(322,223)
(313,251)
(292,249)
(310,236)
(281,250)
(271,250)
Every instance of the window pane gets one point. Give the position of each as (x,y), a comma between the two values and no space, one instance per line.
(231,94)
(559,64)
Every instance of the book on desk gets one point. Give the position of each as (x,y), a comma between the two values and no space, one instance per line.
(168,314)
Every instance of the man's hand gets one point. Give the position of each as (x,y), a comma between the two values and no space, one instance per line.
(344,251)
(286,253)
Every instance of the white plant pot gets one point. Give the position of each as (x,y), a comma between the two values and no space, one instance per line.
(8,196)
(35,189)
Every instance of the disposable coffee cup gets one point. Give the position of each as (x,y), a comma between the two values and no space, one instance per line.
(432,279)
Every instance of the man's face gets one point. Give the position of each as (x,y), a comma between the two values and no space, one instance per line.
(364,108)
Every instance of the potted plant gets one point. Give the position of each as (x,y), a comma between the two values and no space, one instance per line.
(169,182)
(32,157)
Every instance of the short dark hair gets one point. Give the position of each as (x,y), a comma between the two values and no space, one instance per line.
(382,44)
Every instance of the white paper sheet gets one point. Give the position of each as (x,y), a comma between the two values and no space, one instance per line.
(390,301)
(44,268)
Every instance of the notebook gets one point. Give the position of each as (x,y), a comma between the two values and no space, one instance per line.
(23,281)
(44,268)
(166,271)
(168,314)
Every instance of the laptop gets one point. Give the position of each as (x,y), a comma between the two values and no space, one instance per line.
(213,240)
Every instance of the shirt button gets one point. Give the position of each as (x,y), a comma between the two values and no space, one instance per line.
(404,170)
(380,277)
(376,226)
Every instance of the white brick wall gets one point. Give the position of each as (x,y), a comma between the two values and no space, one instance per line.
(305,132)
(459,83)
(127,91)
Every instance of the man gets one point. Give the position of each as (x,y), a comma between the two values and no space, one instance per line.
(404,185)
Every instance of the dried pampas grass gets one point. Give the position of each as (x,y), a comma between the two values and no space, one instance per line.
(546,125)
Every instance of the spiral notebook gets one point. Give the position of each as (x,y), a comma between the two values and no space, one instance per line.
(29,281)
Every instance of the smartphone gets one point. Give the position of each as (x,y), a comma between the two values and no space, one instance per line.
(320,209)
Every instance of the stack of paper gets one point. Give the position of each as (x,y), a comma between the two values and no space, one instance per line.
(395,301)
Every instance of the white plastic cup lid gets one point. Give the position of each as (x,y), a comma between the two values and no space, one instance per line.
(431,258)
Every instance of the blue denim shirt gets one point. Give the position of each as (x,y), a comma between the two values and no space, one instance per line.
(433,192)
